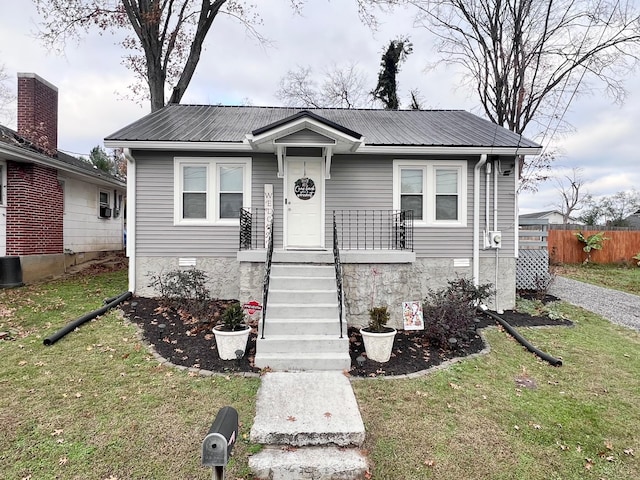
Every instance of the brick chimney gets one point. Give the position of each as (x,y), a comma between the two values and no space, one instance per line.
(38,111)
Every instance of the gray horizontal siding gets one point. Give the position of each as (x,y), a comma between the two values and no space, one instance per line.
(357,183)
(156,235)
(265,171)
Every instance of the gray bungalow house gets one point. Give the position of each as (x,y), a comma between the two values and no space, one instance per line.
(321,214)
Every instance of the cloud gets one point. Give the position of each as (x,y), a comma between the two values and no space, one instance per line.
(235,67)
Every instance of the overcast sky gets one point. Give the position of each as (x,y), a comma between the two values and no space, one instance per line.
(236,69)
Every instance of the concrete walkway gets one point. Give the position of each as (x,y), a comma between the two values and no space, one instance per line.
(310,427)
(617,307)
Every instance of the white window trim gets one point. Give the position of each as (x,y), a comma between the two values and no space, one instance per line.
(106,204)
(429,168)
(3,183)
(212,191)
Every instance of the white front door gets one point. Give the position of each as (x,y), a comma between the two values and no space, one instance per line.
(304,203)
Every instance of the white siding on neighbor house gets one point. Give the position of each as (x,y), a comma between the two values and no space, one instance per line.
(84,231)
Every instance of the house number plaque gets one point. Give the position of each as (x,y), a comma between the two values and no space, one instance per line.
(304,188)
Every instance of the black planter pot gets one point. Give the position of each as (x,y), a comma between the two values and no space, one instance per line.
(10,272)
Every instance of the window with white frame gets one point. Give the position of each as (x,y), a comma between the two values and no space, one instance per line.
(212,190)
(434,190)
(3,182)
(104,210)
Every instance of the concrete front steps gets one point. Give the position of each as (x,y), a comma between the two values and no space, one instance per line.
(302,326)
(310,428)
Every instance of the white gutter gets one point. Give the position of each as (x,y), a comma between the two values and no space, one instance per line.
(131,217)
(359,148)
(476,218)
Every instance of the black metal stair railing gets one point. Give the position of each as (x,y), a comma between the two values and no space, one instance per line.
(338,267)
(267,276)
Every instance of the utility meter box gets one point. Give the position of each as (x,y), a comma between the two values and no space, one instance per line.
(495,239)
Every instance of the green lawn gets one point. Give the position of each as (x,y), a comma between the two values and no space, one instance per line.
(97,406)
(626,279)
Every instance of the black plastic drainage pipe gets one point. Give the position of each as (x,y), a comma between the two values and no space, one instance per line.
(556,362)
(114,302)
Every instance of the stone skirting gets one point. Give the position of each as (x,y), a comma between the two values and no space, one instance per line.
(364,284)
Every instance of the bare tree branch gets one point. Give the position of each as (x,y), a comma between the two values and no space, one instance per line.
(341,87)
(163,41)
(527,60)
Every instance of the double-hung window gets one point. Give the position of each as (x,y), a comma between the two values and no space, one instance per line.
(211,190)
(104,210)
(3,182)
(434,190)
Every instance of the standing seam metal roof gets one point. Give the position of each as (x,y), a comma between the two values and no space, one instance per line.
(211,123)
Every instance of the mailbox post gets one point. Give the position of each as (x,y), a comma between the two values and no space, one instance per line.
(217,445)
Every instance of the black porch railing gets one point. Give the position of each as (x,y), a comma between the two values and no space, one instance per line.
(355,229)
(253,235)
(374,229)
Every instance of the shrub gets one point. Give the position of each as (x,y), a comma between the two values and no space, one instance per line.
(183,290)
(449,313)
(233,318)
(637,258)
(378,318)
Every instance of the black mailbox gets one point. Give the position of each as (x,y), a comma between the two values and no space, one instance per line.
(217,445)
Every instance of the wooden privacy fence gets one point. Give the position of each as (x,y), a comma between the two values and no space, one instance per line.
(621,246)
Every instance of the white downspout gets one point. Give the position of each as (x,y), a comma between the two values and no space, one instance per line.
(476,219)
(495,229)
(487,198)
(131,217)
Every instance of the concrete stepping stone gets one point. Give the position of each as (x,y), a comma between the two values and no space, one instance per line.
(310,426)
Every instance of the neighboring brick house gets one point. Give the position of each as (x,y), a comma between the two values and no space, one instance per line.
(55,209)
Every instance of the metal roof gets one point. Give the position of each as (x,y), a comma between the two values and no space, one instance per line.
(214,123)
(10,140)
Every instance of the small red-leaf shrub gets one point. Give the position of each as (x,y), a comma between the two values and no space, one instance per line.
(449,313)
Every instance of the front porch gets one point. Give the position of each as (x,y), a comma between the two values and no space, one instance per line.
(303,325)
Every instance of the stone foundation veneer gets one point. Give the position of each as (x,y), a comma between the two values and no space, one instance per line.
(395,283)
(365,284)
(223,273)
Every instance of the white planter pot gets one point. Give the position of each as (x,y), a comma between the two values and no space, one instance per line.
(229,342)
(378,345)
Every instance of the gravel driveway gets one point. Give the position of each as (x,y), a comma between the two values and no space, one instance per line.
(618,307)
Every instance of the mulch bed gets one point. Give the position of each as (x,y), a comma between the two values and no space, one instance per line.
(183,341)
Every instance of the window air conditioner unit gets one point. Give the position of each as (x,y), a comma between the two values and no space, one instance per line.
(105,212)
